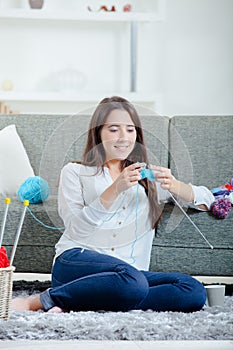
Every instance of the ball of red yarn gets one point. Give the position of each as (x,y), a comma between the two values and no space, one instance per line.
(221,207)
(4,262)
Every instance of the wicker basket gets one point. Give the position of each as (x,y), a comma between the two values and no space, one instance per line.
(6,282)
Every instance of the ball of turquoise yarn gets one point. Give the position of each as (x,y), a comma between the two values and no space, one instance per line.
(35,189)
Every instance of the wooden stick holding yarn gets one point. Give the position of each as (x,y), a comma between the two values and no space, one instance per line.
(26,204)
(7,202)
(4,261)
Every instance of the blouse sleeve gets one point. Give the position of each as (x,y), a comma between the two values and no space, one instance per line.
(202,195)
(71,203)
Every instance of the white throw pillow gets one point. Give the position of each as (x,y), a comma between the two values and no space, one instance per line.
(15,166)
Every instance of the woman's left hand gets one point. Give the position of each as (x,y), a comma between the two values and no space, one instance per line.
(168,182)
(163,176)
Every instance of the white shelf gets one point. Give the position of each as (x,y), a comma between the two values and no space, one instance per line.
(60,103)
(72,97)
(27,14)
(22,100)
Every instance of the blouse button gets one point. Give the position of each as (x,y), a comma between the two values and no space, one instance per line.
(112,249)
(123,207)
(120,222)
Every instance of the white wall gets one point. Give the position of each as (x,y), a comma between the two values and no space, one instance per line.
(187,58)
(197,62)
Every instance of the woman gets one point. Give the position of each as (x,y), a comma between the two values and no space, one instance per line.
(110,213)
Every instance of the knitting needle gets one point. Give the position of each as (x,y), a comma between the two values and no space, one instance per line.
(151,177)
(7,202)
(178,204)
(26,204)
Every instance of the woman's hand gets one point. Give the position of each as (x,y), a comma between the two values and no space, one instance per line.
(129,177)
(164,177)
(169,183)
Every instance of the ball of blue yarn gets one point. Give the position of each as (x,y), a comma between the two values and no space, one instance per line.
(35,189)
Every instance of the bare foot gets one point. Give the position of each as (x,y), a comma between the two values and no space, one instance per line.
(31,303)
(55,309)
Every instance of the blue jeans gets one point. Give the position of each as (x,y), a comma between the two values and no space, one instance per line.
(90,281)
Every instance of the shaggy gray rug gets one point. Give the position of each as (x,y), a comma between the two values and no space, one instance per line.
(211,323)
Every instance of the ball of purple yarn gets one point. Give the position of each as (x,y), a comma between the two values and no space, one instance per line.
(221,208)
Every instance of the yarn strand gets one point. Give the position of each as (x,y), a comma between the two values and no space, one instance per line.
(136,225)
(40,222)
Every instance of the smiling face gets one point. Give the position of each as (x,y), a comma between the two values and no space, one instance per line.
(118,135)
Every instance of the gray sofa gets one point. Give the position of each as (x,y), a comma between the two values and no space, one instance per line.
(196,148)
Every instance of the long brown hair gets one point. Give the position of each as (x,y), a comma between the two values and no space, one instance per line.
(94,154)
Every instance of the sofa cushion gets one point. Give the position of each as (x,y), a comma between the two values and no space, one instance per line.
(178,246)
(14,161)
(199,153)
(155,129)
(35,132)
(200,149)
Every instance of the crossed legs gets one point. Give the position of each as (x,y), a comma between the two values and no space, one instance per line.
(87,280)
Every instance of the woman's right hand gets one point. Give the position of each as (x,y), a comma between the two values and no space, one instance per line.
(129,177)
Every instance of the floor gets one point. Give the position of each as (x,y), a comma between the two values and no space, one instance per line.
(113,345)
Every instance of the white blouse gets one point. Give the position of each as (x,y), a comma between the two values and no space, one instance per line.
(123,231)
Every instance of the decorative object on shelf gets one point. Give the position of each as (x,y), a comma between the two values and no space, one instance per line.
(36,4)
(69,80)
(4,109)
(127,8)
(103,8)
(7,85)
